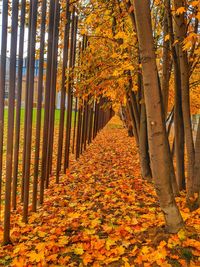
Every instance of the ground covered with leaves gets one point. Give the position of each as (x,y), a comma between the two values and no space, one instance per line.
(103,214)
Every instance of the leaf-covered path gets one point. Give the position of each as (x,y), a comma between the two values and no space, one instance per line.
(103,214)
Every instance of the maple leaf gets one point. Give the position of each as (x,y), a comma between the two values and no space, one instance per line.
(52,257)
(87,258)
(109,243)
(120,250)
(145,250)
(126,262)
(134,251)
(18,262)
(182,234)
(41,234)
(111,259)
(63,240)
(41,246)
(36,257)
(78,251)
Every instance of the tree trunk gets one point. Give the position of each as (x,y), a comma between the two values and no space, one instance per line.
(161,161)
(143,146)
(166,66)
(178,115)
(197,160)
(180,33)
(132,119)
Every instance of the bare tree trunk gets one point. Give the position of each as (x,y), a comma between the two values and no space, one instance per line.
(197,160)
(178,116)
(143,146)
(166,72)
(161,161)
(180,33)
(179,136)
(131,113)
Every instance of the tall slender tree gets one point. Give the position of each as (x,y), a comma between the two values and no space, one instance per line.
(160,156)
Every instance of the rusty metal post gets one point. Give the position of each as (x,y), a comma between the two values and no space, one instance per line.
(52,92)
(26,101)
(63,93)
(47,98)
(30,110)
(2,83)
(70,88)
(10,131)
(39,104)
(18,104)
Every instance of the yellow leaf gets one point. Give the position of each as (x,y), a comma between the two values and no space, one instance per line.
(64,240)
(73,215)
(95,222)
(126,262)
(41,234)
(78,251)
(167,37)
(134,251)
(52,257)
(36,257)
(87,258)
(40,246)
(120,250)
(145,250)
(194,3)
(18,262)
(175,42)
(182,234)
(180,10)
(109,243)
(109,260)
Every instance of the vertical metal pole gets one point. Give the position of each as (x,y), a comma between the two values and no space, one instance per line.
(70,93)
(30,110)
(11,105)
(2,83)
(39,104)
(91,122)
(63,93)
(79,126)
(76,103)
(75,122)
(84,125)
(53,91)
(47,98)
(26,101)
(18,104)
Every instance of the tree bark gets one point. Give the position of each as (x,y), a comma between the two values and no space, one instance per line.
(180,33)
(143,146)
(161,161)
(166,71)
(197,160)
(131,113)
(178,115)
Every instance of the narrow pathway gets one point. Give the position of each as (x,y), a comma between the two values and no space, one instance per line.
(102,214)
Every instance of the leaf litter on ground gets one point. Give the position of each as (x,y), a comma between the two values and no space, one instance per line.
(103,214)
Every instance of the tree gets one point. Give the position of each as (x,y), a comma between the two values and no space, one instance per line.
(159,147)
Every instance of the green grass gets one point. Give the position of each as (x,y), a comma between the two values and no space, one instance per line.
(57,115)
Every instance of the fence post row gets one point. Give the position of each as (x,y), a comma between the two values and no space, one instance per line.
(31,144)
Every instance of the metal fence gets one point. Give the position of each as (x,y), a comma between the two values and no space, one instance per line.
(32,138)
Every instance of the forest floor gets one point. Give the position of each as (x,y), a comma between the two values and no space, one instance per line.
(103,214)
